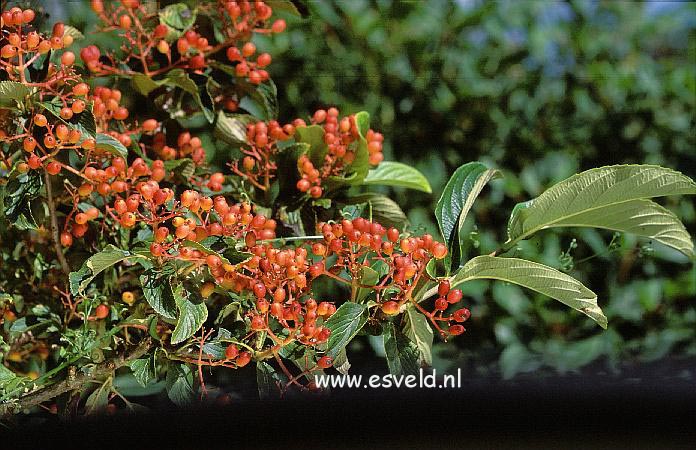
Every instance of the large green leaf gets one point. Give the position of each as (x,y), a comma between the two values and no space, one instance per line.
(361,164)
(344,324)
(12,94)
(95,265)
(231,128)
(16,198)
(402,354)
(112,145)
(455,202)
(390,173)
(314,136)
(589,198)
(192,314)
(266,378)
(157,290)
(180,388)
(417,329)
(178,16)
(537,277)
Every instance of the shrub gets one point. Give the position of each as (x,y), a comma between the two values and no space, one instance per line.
(125,249)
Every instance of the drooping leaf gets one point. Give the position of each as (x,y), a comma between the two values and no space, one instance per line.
(361,163)
(344,324)
(144,370)
(180,79)
(16,198)
(391,173)
(144,84)
(180,384)
(608,197)
(266,378)
(157,290)
(537,277)
(12,94)
(112,145)
(417,330)
(456,200)
(192,314)
(231,128)
(314,136)
(402,355)
(95,265)
(177,16)
(291,7)
(98,400)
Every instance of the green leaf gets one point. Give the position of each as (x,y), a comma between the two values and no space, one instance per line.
(455,202)
(361,164)
(266,380)
(98,400)
(112,145)
(157,290)
(178,16)
(314,136)
(73,32)
(386,211)
(13,94)
(537,277)
(588,199)
(192,315)
(286,6)
(144,84)
(144,370)
(262,101)
(16,198)
(402,355)
(417,330)
(344,324)
(390,173)
(83,122)
(95,265)
(6,375)
(184,167)
(231,128)
(223,247)
(179,78)
(180,384)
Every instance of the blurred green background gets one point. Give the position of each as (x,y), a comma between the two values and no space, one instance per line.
(539,89)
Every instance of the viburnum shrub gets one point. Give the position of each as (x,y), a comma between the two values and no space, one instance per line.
(125,249)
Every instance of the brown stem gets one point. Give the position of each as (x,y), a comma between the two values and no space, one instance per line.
(75,381)
(54,225)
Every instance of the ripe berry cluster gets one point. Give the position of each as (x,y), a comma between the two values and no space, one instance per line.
(24,46)
(187,146)
(148,41)
(341,137)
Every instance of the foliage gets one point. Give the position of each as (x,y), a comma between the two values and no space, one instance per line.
(138,254)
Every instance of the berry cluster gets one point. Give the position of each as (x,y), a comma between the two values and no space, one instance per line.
(24,46)
(149,42)
(340,136)
(187,146)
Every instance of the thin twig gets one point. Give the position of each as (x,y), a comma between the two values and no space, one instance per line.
(54,225)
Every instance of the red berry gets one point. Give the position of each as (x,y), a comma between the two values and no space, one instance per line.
(325,362)
(462,315)
(231,351)
(454,296)
(456,330)
(443,288)
(390,308)
(102,311)
(441,304)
